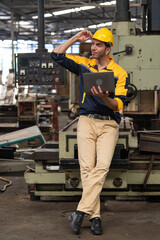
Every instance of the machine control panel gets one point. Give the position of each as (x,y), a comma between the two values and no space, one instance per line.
(39,69)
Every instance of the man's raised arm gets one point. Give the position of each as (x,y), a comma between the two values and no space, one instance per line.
(80,36)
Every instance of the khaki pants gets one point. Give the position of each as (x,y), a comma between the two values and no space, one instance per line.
(96,144)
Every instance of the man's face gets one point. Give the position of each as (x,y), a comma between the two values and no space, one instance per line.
(98,49)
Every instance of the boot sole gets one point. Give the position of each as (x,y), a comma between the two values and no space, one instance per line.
(97,233)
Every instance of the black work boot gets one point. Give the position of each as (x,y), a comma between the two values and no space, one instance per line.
(96,227)
(76,219)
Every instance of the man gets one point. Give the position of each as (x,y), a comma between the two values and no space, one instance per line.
(98,125)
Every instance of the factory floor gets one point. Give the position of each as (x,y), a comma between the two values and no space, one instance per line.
(47,219)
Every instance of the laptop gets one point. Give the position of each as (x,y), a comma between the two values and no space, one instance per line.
(103,79)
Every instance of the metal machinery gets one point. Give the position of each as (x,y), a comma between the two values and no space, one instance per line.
(31,103)
(138,53)
(40,74)
(136,163)
(36,103)
(8,106)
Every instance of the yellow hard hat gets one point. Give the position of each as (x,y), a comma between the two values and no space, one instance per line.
(104,35)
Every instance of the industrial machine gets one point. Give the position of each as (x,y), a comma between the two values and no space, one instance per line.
(39,69)
(134,170)
(137,51)
(36,77)
(37,108)
(8,106)
(21,136)
(136,162)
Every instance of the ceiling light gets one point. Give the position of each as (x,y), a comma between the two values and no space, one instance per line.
(92,26)
(86,8)
(27,26)
(71,10)
(108,3)
(63,12)
(100,25)
(73,30)
(24,23)
(35,17)
(48,15)
(24,33)
(111,3)
(34,29)
(5,17)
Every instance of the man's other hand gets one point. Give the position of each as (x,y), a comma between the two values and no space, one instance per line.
(99,93)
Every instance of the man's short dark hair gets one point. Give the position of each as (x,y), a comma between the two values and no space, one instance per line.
(107,44)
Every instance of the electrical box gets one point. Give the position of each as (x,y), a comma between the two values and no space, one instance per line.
(39,69)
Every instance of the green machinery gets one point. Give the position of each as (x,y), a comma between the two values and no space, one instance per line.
(134,171)
(141,61)
(135,166)
(137,51)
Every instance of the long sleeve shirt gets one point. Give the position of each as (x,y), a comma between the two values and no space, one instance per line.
(88,103)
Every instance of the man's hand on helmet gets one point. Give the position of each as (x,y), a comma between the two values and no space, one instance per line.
(83,35)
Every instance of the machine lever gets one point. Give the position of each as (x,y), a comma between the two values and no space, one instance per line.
(128,51)
(149,171)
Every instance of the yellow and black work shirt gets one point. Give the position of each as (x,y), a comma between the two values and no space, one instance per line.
(89,103)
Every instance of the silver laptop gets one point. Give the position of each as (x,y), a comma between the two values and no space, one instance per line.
(103,79)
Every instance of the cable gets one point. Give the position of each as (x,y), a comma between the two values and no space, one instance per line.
(5,186)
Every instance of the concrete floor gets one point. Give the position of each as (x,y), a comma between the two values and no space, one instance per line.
(22,219)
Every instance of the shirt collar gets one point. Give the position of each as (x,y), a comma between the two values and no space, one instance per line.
(93,64)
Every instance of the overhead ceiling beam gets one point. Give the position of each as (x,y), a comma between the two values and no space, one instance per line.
(70,5)
(53,19)
(2,5)
(4,25)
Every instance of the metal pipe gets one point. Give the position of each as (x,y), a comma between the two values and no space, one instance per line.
(49,6)
(40,24)
(122,13)
(12,37)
